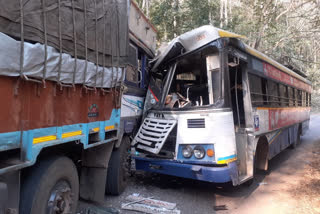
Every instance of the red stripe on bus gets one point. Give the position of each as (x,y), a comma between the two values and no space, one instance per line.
(276,74)
(282,117)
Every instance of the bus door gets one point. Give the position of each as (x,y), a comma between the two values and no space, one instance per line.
(241,107)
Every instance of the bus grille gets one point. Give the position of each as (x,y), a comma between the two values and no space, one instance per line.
(153,133)
(196,123)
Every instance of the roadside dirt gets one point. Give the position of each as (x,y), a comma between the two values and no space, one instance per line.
(308,190)
(292,186)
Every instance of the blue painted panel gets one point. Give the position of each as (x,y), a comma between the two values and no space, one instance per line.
(226,158)
(9,140)
(72,128)
(282,139)
(31,151)
(196,172)
(44,132)
(94,125)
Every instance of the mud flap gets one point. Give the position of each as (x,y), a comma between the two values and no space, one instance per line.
(94,172)
(4,197)
(9,192)
(233,170)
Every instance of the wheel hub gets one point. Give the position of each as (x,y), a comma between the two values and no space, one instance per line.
(60,199)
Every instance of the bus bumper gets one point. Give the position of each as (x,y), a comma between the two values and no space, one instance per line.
(191,171)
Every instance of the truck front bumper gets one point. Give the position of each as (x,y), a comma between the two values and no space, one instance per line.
(191,171)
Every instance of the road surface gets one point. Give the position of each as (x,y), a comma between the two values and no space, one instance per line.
(292,186)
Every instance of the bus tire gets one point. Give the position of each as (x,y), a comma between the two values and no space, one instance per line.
(51,186)
(118,169)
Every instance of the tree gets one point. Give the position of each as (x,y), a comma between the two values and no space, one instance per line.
(286,30)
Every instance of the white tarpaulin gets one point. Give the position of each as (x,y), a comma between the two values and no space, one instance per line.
(33,66)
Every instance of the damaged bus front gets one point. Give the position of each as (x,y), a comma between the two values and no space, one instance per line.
(217,109)
(189,128)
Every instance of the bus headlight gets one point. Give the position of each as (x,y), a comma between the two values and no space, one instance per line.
(199,152)
(187,151)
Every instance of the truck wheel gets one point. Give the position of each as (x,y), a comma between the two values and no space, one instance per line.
(118,169)
(50,187)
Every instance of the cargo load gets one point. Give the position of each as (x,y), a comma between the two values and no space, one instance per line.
(70,42)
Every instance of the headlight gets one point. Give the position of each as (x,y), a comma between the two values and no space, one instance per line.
(187,151)
(199,152)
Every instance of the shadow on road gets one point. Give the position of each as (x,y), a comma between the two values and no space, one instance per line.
(204,191)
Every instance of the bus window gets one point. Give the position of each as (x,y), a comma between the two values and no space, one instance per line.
(283,95)
(299,98)
(213,73)
(264,87)
(291,96)
(196,82)
(296,97)
(303,98)
(256,90)
(273,93)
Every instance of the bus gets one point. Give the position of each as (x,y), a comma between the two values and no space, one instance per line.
(216,110)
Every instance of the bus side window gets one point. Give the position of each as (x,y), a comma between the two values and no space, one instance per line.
(255,90)
(296,96)
(301,98)
(273,93)
(283,95)
(310,100)
(265,92)
(291,96)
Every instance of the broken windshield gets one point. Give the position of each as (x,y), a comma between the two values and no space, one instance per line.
(193,81)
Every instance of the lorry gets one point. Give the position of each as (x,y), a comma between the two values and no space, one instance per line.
(72,84)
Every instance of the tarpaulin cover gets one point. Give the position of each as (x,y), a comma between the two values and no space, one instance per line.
(33,66)
(103,26)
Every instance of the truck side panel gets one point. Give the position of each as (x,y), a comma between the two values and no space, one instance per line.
(49,116)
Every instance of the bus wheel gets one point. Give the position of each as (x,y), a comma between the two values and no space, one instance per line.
(118,169)
(51,186)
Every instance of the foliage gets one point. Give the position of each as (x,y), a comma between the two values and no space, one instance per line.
(286,30)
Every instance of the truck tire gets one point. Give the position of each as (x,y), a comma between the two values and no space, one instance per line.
(118,169)
(50,187)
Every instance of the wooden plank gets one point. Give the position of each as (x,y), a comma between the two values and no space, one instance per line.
(149,209)
(152,202)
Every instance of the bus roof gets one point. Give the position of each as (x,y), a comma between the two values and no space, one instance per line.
(199,37)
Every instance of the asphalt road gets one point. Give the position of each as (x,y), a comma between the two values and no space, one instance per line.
(286,189)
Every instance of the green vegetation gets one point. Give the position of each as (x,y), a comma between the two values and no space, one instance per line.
(286,30)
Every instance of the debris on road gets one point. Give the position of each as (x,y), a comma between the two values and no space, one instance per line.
(92,209)
(263,183)
(220,207)
(149,205)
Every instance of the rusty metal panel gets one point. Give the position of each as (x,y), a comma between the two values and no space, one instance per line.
(28,105)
